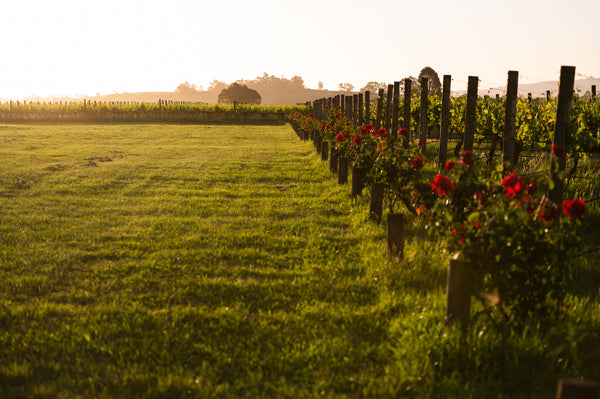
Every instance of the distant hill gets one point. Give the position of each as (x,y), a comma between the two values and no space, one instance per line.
(276,91)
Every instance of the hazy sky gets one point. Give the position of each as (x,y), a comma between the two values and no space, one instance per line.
(105,46)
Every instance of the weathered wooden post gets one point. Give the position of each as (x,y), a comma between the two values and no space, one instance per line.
(510,116)
(358,181)
(529,97)
(423,133)
(349,107)
(406,119)
(573,388)
(593,92)
(324,150)
(333,159)
(388,108)
(459,289)
(379,109)
(355,109)
(376,204)
(395,235)
(367,107)
(547,95)
(361,116)
(471,113)
(343,170)
(395,111)
(343,103)
(563,112)
(444,122)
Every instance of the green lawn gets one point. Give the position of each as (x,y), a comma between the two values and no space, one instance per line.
(225,261)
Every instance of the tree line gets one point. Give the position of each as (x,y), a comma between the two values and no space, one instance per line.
(272,90)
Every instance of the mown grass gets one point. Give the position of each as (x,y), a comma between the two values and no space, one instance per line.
(225,261)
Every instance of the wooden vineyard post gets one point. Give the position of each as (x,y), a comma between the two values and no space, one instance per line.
(379,109)
(444,122)
(563,112)
(355,109)
(333,159)
(395,235)
(367,107)
(349,107)
(376,205)
(573,388)
(318,142)
(510,116)
(547,95)
(395,111)
(406,121)
(361,118)
(424,115)
(459,287)
(593,92)
(343,103)
(388,108)
(324,150)
(358,181)
(343,170)
(471,113)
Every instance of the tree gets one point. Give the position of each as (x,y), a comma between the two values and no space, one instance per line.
(320,85)
(373,87)
(217,85)
(297,82)
(186,88)
(434,84)
(346,87)
(239,93)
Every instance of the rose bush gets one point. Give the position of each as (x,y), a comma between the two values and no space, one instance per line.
(513,236)
(402,176)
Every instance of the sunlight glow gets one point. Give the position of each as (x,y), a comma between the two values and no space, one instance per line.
(74,47)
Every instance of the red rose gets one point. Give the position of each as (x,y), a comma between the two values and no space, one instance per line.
(402,132)
(532,188)
(442,185)
(357,139)
(417,163)
(513,185)
(450,166)
(574,208)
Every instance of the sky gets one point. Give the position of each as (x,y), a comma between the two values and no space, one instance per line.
(89,47)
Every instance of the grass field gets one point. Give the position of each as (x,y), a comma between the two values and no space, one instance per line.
(170,261)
